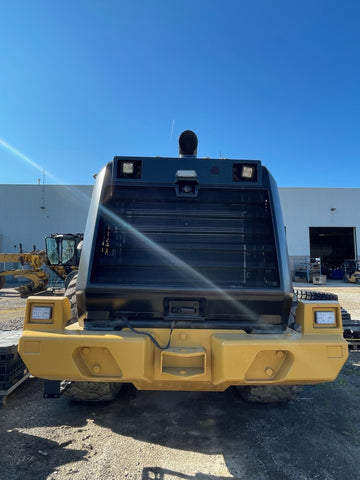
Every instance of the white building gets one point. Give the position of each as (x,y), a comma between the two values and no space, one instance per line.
(30,212)
(320,222)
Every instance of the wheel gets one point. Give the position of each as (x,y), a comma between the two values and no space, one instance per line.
(269,393)
(69,278)
(345,316)
(24,291)
(346,279)
(2,282)
(92,391)
(70,293)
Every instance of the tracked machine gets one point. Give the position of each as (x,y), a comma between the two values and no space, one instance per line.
(184,284)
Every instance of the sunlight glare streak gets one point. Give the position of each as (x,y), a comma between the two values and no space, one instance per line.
(177,262)
(171,258)
(77,193)
(26,159)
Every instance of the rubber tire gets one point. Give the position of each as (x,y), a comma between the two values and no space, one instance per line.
(269,393)
(69,277)
(70,293)
(2,282)
(92,391)
(24,291)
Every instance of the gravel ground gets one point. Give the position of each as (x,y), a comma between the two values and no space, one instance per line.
(12,309)
(183,435)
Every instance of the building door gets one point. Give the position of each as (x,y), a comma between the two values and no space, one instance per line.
(333,245)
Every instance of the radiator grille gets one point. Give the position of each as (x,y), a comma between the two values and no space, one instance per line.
(149,237)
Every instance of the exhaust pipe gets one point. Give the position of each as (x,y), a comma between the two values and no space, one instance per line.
(188,143)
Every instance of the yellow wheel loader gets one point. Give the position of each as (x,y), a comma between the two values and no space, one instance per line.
(184,284)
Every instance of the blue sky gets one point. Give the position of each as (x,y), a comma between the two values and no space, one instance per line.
(275,80)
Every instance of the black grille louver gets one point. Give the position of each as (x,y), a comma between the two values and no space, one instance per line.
(223,240)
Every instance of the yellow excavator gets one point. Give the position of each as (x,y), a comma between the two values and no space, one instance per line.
(61,255)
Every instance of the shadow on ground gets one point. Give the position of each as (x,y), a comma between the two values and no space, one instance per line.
(316,436)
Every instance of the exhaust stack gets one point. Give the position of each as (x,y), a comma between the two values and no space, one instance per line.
(188,143)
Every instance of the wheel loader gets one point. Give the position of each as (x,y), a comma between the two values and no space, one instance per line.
(183,284)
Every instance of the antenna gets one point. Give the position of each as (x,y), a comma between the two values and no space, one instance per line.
(42,206)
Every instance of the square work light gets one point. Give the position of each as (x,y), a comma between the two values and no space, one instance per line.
(127,168)
(247,171)
(325,318)
(41,313)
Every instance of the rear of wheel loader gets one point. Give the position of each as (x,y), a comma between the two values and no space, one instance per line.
(184,284)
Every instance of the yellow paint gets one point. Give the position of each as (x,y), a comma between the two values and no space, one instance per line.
(197,359)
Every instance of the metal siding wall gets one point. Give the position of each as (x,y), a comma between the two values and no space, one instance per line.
(311,207)
(22,218)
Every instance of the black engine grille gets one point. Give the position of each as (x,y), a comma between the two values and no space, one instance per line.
(148,237)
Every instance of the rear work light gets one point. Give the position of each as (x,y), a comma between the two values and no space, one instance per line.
(129,169)
(247,172)
(41,313)
(244,172)
(325,318)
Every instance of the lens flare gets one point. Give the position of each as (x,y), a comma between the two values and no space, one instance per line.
(170,257)
(9,148)
(25,158)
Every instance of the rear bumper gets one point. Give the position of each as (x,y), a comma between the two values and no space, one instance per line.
(213,362)
(194,361)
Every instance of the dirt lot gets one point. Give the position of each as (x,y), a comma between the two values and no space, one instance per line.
(191,436)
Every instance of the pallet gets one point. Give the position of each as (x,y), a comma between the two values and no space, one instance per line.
(5,393)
